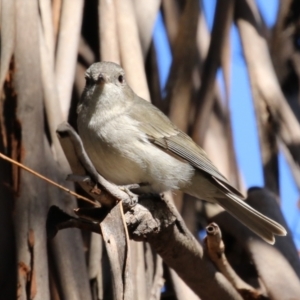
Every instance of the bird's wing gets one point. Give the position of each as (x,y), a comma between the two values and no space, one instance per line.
(170,139)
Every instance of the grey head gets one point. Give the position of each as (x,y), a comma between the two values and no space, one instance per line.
(105,80)
(105,72)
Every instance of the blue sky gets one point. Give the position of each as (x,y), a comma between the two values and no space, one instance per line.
(242,111)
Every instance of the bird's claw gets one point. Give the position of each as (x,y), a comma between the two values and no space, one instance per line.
(132,199)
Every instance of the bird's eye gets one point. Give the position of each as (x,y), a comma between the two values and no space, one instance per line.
(121,78)
(87,80)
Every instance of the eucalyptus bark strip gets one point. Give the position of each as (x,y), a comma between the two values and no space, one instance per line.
(51,100)
(266,121)
(130,48)
(171,13)
(116,241)
(8,36)
(179,85)
(109,39)
(66,248)
(221,27)
(67,50)
(30,206)
(146,14)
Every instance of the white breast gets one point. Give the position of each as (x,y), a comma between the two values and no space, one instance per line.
(123,155)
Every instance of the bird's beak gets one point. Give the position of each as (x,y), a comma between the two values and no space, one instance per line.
(101,79)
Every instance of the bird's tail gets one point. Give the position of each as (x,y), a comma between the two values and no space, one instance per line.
(265,227)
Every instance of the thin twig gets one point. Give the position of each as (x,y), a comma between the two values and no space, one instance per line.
(47,179)
(216,251)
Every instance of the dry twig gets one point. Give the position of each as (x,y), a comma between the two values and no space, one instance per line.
(216,251)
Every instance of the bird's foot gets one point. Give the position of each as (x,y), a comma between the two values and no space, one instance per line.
(133,198)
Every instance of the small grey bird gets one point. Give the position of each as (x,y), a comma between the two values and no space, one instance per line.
(130,141)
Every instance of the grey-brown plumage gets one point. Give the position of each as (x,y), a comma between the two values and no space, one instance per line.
(131,141)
